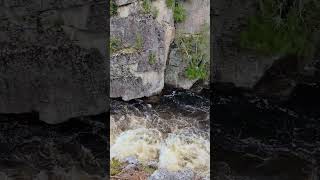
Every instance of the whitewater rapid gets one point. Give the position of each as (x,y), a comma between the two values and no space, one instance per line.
(174,133)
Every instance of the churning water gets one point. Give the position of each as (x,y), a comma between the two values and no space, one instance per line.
(174,133)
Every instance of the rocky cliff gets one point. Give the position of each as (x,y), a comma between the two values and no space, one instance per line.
(52,58)
(145,52)
(274,62)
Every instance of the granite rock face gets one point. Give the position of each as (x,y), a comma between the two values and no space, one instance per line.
(232,64)
(197,18)
(52,58)
(137,69)
(272,75)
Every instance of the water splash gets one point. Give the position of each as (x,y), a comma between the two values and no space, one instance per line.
(184,149)
(142,143)
(171,134)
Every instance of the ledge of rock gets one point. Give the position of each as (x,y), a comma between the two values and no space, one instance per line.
(137,72)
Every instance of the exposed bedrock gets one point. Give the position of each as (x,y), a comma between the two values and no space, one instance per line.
(52,58)
(270,75)
(140,44)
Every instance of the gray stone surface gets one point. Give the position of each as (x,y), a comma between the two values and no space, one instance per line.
(52,58)
(163,174)
(176,71)
(132,74)
(230,63)
(198,13)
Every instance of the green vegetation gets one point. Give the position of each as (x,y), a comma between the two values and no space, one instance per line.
(194,48)
(179,13)
(139,42)
(283,27)
(115,45)
(146,6)
(170,3)
(148,169)
(152,58)
(148,9)
(113,8)
(155,12)
(115,166)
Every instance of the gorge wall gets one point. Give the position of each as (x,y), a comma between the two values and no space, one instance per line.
(53,58)
(144,53)
(271,74)
(53,54)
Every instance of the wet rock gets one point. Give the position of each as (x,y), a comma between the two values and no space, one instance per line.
(131,160)
(163,174)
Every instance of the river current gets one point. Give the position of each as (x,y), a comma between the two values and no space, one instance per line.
(173,133)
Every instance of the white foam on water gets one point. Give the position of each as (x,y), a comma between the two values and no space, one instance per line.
(142,143)
(180,151)
(146,138)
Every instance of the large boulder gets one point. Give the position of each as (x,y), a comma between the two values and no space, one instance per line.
(137,68)
(52,58)
(232,64)
(197,19)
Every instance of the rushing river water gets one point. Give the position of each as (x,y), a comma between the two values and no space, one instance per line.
(256,138)
(33,150)
(173,133)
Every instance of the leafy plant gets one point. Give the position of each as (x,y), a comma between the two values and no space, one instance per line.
(282,28)
(170,3)
(115,166)
(113,8)
(115,45)
(152,58)
(146,5)
(148,169)
(179,13)
(194,49)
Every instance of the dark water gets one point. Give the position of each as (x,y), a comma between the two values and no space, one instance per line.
(257,138)
(180,116)
(31,149)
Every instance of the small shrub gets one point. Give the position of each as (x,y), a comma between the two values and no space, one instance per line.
(170,3)
(194,48)
(146,6)
(113,8)
(179,13)
(148,169)
(152,58)
(115,45)
(282,28)
(115,166)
